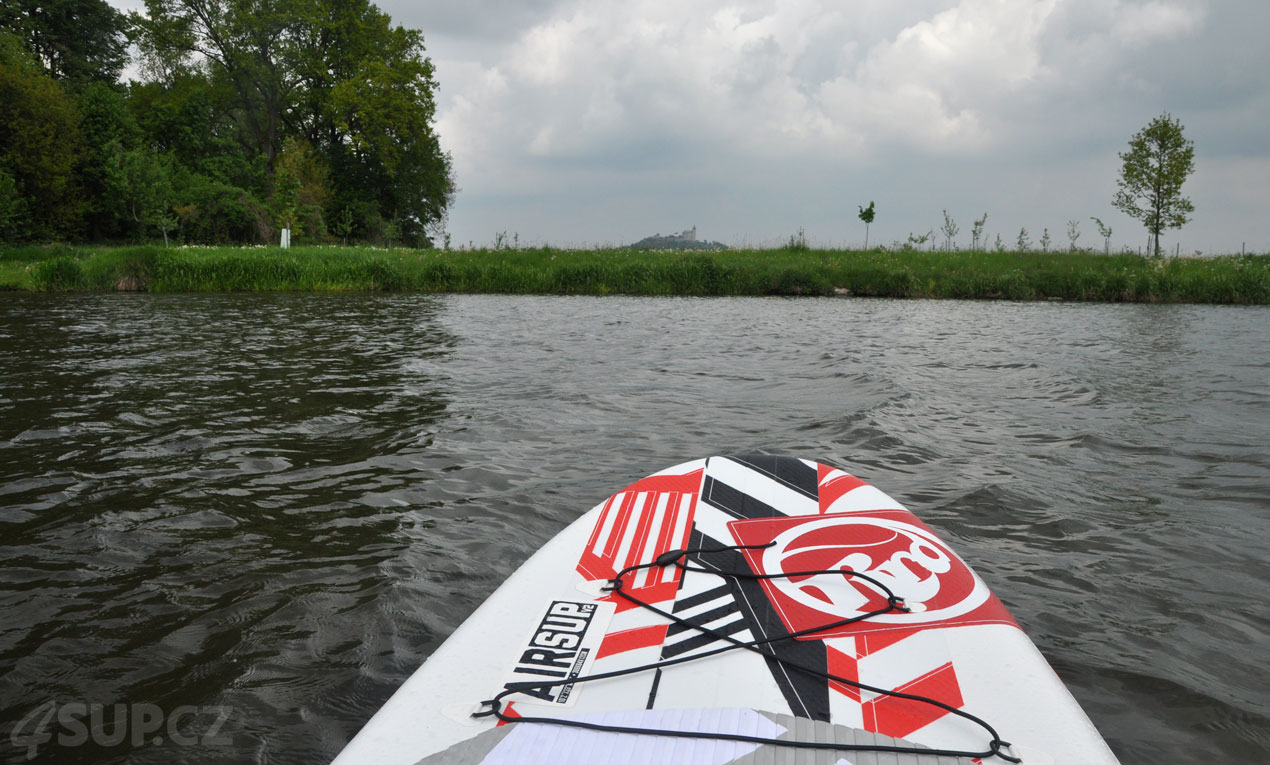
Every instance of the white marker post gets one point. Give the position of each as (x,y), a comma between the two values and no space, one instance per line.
(286,238)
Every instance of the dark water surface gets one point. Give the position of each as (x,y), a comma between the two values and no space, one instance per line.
(279,505)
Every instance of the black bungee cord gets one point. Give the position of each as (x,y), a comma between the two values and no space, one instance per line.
(677,558)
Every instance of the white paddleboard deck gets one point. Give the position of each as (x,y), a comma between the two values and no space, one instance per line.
(553,621)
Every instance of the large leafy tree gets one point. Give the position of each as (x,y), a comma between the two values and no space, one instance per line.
(367,105)
(248,45)
(335,73)
(190,118)
(1156,165)
(385,148)
(301,189)
(39,145)
(140,187)
(13,214)
(251,113)
(106,126)
(72,39)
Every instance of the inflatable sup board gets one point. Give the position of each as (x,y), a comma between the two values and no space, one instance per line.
(747,609)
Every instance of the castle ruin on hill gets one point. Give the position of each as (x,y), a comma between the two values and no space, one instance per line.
(684,240)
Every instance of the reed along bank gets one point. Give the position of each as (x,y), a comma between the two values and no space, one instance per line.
(1234,279)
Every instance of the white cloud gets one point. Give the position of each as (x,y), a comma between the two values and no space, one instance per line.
(762,79)
(1140,24)
(936,85)
(772,106)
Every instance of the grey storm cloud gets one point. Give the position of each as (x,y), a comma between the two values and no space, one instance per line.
(599,121)
(473,20)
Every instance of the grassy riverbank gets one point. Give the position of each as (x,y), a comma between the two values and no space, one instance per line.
(985,275)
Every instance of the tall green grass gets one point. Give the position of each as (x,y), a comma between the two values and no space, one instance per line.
(796,271)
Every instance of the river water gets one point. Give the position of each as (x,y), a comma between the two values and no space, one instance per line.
(260,513)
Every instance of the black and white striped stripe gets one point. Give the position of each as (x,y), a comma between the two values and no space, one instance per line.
(715,608)
(793,474)
(742,488)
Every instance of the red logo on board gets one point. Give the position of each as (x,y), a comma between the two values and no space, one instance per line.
(891,546)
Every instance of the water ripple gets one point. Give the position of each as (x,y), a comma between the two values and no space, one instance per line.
(283,503)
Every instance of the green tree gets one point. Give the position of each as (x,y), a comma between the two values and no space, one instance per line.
(249,45)
(286,201)
(916,242)
(343,225)
(139,183)
(72,39)
(106,124)
(302,189)
(866,215)
(190,117)
(1156,165)
(387,151)
(39,142)
(1105,232)
(213,212)
(976,231)
(1024,242)
(335,73)
(950,230)
(165,220)
(12,208)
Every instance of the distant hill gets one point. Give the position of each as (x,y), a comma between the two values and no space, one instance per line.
(686,240)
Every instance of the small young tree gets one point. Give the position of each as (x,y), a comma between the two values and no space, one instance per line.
(343,225)
(301,189)
(916,241)
(1150,185)
(1045,240)
(976,231)
(165,221)
(799,242)
(866,215)
(286,204)
(1073,233)
(950,230)
(1105,232)
(140,186)
(392,232)
(1024,242)
(1000,245)
(12,207)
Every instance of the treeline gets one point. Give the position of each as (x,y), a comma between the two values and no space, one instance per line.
(248,116)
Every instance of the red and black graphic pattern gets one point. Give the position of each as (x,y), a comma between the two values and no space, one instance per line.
(828,519)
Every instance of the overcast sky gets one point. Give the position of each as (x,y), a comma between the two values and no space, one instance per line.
(588,121)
